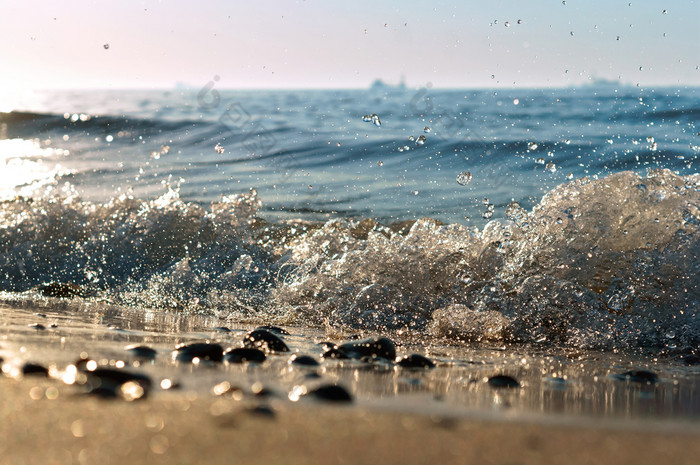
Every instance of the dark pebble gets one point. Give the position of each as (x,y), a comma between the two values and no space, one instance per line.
(265,340)
(57,289)
(336,353)
(503,381)
(244,354)
(416,361)
(264,411)
(303,360)
(274,329)
(327,345)
(40,315)
(142,352)
(37,326)
(33,369)
(221,329)
(331,393)
(204,351)
(117,377)
(637,376)
(103,392)
(376,347)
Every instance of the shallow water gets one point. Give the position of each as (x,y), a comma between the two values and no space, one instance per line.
(579,384)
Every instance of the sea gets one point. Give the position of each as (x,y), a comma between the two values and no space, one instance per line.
(551,216)
(562,220)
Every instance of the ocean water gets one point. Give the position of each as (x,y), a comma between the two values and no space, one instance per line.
(555,218)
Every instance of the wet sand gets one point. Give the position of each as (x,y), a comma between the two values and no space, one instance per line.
(396,417)
(187,429)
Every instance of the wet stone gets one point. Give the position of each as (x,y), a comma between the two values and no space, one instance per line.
(303,360)
(142,352)
(637,376)
(34,369)
(115,377)
(416,361)
(332,393)
(335,352)
(37,326)
(64,290)
(221,329)
(376,347)
(265,340)
(503,381)
(274,329)
(243,355)
(263,411)
(203,351)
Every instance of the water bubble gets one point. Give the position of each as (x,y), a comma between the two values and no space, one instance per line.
(540,161)
(487,214)
(464,178)
(218,148)
(532,145)
(109,138)
(520,21)
(493,76)
(485,201)
(420,140)
(106,46)
(618,37)
(516,101)
(670,334)
(426,129)
(551,167)
(570,176)
(411,138)
(515,212)
(380,163)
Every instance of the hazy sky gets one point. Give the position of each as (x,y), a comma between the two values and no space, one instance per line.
(50,44)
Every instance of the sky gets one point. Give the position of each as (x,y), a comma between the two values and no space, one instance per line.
(338,44)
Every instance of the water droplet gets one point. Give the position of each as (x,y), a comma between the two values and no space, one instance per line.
(507,24)
(570,176)
(411,138)
(426,129)
(109,138)
(567,141)
(609,141)
(615,302)
(520,21)
(540,161)
(618,37)
(493,76)
(515,212)
(380,163)
(670,334)
(571,33)
(375,120)
(665,12)
(367,118)
(218,148)
(485,201)
(464,178)
(487,214)
(551,167)
(654,147)
(420,140)
(532,146)
(516,101)
(106,46)
(641,68)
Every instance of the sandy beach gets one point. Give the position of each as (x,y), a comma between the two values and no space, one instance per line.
(185,429)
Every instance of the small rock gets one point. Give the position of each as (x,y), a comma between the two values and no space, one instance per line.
(33,369)
(57,289)
(331,392)
(37,326)
(336,353)
(274,329)
(265,340)
(244,354)
(637,376)
(221,329)
(203,351)
(376,347)
(503,381)
(416,361)
(142,352)
(303,360)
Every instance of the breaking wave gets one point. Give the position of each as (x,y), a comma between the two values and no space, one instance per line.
(609,263)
